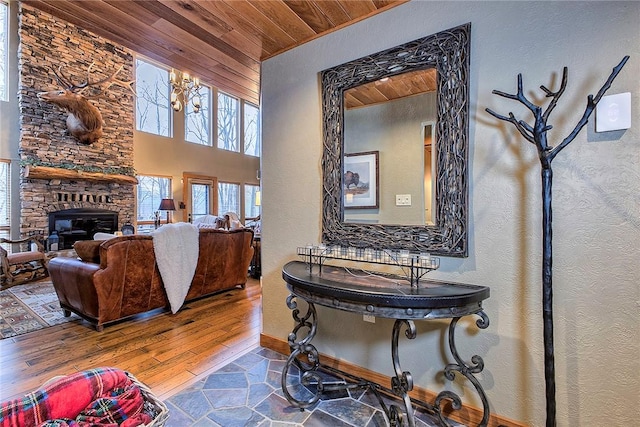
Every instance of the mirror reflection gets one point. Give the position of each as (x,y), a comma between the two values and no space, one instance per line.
(394,117)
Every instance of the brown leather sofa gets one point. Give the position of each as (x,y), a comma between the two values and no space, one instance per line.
(126,281)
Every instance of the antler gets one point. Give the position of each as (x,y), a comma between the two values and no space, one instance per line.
(104,84)
(65,82)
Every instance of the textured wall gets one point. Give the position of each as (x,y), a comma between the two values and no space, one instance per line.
(596,206)
(45,44)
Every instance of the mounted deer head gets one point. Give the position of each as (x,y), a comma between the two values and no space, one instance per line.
(84,120)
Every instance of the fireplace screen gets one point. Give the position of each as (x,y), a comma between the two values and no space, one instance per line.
(81,224)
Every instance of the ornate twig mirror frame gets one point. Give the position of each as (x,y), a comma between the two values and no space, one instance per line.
(448,53)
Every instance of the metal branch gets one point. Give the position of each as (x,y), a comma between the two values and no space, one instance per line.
(523,127)
(554,95)
(519,96)
(591,105)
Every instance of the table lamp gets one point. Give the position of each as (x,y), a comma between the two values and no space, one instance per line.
(167,205)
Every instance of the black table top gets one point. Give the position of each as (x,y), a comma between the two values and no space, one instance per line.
(359,291)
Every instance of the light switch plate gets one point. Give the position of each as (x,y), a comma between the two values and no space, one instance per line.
(403,199)
(613,112)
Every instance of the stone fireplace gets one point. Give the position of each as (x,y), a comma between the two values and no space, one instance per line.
(58,172)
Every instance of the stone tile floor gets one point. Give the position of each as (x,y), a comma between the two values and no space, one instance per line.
(247,392)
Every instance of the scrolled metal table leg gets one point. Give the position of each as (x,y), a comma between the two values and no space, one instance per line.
(402,383)
(466,369)
(302,347)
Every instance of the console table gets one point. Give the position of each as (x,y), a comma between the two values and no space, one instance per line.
(387,296)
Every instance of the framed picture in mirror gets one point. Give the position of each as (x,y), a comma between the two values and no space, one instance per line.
(360,180)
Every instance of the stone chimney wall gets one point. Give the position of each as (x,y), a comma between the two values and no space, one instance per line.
(47,43)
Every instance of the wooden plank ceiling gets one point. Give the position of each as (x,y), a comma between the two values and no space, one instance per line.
(220,41)
(390,88)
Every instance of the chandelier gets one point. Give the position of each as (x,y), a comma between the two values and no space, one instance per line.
(184,88)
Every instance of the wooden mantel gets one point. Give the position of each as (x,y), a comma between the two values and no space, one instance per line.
(46,172)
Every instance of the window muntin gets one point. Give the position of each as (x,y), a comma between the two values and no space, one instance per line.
(228,122)
(197,126)
(251,119)
(228,198)
(251,206)
(4,51)
(151,190)
(153,114)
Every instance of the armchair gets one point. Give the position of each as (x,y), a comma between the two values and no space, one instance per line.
(25,265)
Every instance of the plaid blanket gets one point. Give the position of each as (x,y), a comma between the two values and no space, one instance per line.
(102,397)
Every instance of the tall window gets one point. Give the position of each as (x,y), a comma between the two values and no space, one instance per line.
(151,190)
(251,201)
(228,109)
(200,200)
(5,198)
(153,114)
(196,127)
(251,130)
(4,49)
(228,198)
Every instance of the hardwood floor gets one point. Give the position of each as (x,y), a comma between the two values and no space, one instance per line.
(165,351)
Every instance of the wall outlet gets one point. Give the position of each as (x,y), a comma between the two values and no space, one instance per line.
(369,318)
(403,199)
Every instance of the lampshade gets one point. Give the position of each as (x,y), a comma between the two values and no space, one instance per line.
(167,205)
(258,198)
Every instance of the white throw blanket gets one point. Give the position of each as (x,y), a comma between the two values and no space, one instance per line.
(176,250)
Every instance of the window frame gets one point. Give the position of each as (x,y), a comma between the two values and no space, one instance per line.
(246,202)
(212,114)
(208,109)
(187,179)
(5,227)
(239,211)
(4,53)
(243,124)
(238,122)
(170,113)
(163,219)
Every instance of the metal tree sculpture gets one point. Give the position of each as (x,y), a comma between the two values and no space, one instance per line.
(537,134)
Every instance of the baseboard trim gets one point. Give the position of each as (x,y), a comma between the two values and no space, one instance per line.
(468,415)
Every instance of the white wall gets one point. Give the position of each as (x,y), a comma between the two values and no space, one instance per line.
(596,223)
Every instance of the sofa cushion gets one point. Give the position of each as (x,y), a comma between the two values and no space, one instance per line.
(88,250)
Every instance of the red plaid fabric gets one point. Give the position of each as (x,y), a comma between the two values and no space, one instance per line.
(103,397)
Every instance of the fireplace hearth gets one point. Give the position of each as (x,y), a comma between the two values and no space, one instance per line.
(81,224)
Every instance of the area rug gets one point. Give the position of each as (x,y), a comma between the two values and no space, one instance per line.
(29,307)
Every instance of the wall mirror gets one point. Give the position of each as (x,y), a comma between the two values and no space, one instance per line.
(445,57)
